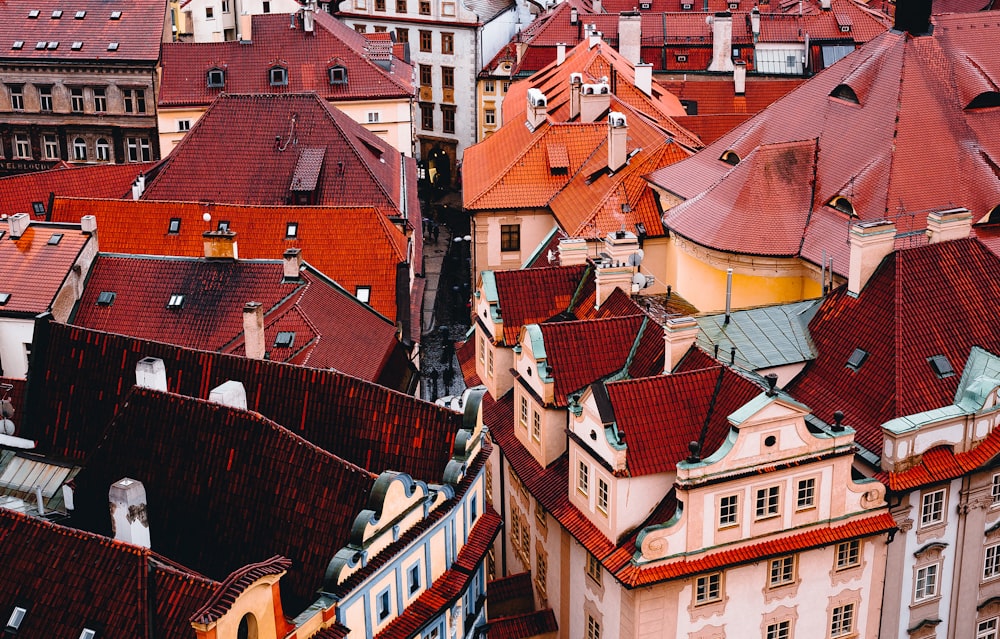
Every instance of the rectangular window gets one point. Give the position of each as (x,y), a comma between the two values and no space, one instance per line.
(491,117)
(183,125)
(17,98)
(50,146)
(22,146)
(266,6)
(991,564)
(505,86)
(536,426)
(209,13)
(384,606)
(380,5)
(805,494)
(842,620)
(402,35)
(926,584)
(291,230)
(135,100)
(361,28)
(780,630)
(489,364)
(543,522)
(932,508)
(729,508)
(100,100)
(849,554)
(541,569)
(400,6)
(708,588)
(583,477)
(373,117)
(76,100)
(593,628)
(448,77)
(174,226)
(447,118)
(987,629)
(603,493)
(45,98)
(363,293)
(593,568)
(782,571)
(515,527)
(482,348)
(524,412)
(448,43)
(426,75)
(138,149)
(414,578)
(490,86)
(425,41)
(767,502)
(425,7)
(427,117)
(510,237)
(995,490)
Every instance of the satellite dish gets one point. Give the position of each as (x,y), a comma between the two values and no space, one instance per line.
(551,256)
(635,259)
(6,427)
(207,217)
(638,281)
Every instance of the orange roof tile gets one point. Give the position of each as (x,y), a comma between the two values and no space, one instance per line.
(19,192)
(34,269)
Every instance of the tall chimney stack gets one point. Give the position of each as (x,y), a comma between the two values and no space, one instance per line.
(253,330)
(129,518)
(722,42)
(292,264)
(560,52)
(617,141)
(595,99)
(679,335)
(575,88)
(630,36)
(573,251)
(740,78)
(220,245)
(870,242)
(644,77)
(952,224)
(537,108)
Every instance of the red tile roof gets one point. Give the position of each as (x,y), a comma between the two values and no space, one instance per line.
(33,269)
(68,580)
(716,96)
(235,584)
(307,56)
(661,415)
(333,248)
(19,192)
(137,29)
(532,296)
(504,589)
(921,302)
(520,626)
(913,94)
(943,464)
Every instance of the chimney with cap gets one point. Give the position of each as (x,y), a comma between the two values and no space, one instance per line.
(18,225)
(151,373)
(537,108)
(870,242)
(630,35)
(740,78)
(595,99)
(722,42)
(129,519)
(88,224)
(220,245)
(755,23)
(951,224)
(572,251)
(679,335)
(292,265)
(575,88)
(617,141)
(644,77)
(230,393)
(253,330)
(614,269)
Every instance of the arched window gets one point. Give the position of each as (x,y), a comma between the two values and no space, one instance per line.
(248,627)
(843,205)
(845,93)
(103,150)
(216,78)
(730,157)
(79,149)
(994,216)
(278,76)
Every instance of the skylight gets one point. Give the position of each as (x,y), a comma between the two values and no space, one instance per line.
(175,225)
(41,44)
(54,45)
(116,15)
(941,366)
(363,293)
(80,15)
(55,238)
(856,359)
(285,339)
(106,298)
(4,298)
(16,618)
(292,229)
(57,14)
(18,45)
(112,46)
(77,45)
(33,14)
(88,633)
(176,301)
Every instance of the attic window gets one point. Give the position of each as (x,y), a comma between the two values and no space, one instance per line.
(4,298)
(338,74)
(80,15)
(216,78)
(40,44)
(18,45)
(856,359)
(112,46)
(57,14)
(88,634)
(33,14)
(278,76)
(176,301)
(175,225)
(291,230)
(843,205)
(38,208)
(16,618)
(55,238)
(730,157)
(116,15)
(77,45)
(54,45)
(845,93)
(363,293)
(285,339)
(985,100)
(106,298)
(941,366)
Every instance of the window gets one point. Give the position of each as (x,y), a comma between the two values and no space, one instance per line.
(400,6)
(216,78)
(115,15)
(448,43)
(995,490)
(427,117)
(45,98)
(447,118)
(489,364)
(842,620)
(16,617)
(76,100)
(425,41)
(857,358)
(593,568)
(782,571)
(138,149)
(380,5)
(225,6)
(414,578)
(849,554)
(176,301)
(266,6)
(38,208)
(106,298)
(985,630)
(926,583)
(491,117)
(383,605)
(505,86)
(473,509)
(490,86)
(100,100)
(22,146)
(112,46)
(278,76)
(482,348)
(536,426)
(708,588)
(402,35)
(79,149)
(426,75)
(425,7)
(602,495)
(780,630)
(80,15)
(135,100)
(284,339)
(373,117)
(767,502)
(541,569)
(524,412)
(583,477)
(209,13)
(4,298)
(805,494)
(593,628)
(932,508)
(183,125)
(103,150)
(51,147)
(729,511)
(87,633)
(291,230)
(363,293)
(510,237)
(991,565)
(361,28)
(174,226)
(941,366)
(338,74)
(448,77)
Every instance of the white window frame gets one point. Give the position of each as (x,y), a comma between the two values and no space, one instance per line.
(594,568)
(729,511)
(603,495)
(103,150)
(593,628)
(991,562)
(995,490)
(842,620)
(848,554)
(77,101)
(805,493)
(779,630)
(932,508)
(523,415)
(536,426)
(767,503)
(50,146)
(22,146)
(138,149)
(45,99)
(17,98)
(781,571)
(583,477)
(79,149)
(926,582)
(987,628)
(708,589)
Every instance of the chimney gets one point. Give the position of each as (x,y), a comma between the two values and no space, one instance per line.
(253,330)
(292,265)
(139,186)
(824,5)
(574,16)
(307,16)
(630,36)
(18,224)
(613,269)
(740,78)
(230,393)
(595,38)
(913,17)
(596,4)
(617,141)
(952,224)
(755,22)
(679,336)
(575,87)
(572,251)
(870,243)
(151,373)
(595,99)
(722,42)
(537,108)
(560,52)
(644,77)
(129,520)
(88,224)
(244,23)
(220,245)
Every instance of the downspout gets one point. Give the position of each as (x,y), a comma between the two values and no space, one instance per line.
(503,506)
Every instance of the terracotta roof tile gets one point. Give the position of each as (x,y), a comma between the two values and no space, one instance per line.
(532,296)
(942,464)
(503,589)
(34,269)
(19,192)
(527,625)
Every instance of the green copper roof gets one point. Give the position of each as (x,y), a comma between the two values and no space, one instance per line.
(763,337)
(748,410)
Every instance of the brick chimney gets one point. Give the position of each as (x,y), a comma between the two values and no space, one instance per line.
(722,42)
(230,393)
(292,265)
(740,78)
(613,268)
(630,35)
(129,520)
(151,373)
(538,106)
(952,224)
(644,77)
(572,251)
(870,242)
(220,245)
(617,140)
(679,336)
(595,99)
(575,88)
(18,225)
(253,330)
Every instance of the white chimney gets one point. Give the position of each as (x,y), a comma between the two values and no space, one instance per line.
(253,330)
(220,245)
(824,4)
(613,269)
(230,393)
(575,87)
(644,77)
(139,186)
(617,141)
(560,52)
(755,22)
(596,4)
(740,78)
(595,38)
(722,42)
(292,264)
(679,336)
(952,224)
(595,99)
(18,224)
(129,517)
(88,224)
(307,17)
(572,251)
(630,36)
(151,373)
(870,243)
(574,15)
(537,108)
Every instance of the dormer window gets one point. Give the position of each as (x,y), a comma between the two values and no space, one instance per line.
(175,302)
(216,78)
(843,205)
(278,76)
(985,100)
(845,93)
(730,157)
(338,74)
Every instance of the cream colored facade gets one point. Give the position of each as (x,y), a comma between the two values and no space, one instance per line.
(491,88)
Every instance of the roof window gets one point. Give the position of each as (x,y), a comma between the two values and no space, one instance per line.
(216,78)
(54,44)
(174,226)
(856,359)
(112,46)
(176,301)
(278,76)
(88,634)
(4,298)
(33,14)
(106,298)
(18,45)
(57,14)
(116,15)
(81,14)
(285,339)
(730,157)
(338,74)
(941,366)
(843,205)
(16,618)
(292,230)
(363,293)
(38,208)
(55,238)
(41,44)
(845,93)
(77,45)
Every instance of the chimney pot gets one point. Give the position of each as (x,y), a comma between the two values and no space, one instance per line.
(129,517)
(253,330)
(18,224)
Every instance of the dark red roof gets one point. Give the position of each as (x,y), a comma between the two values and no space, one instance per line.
(521,626)
(661,415)
(307,57)
(943,464)
(68,580)
(235,584)
(34,270)
(137,29)
(921,302)
(532,296)
(19,192)
(504,589)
